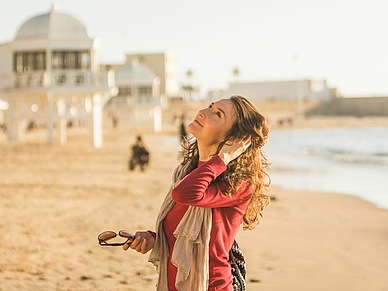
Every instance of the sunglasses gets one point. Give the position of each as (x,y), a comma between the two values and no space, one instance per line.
(107,235)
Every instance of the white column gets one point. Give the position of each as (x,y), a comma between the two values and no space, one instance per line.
(63,131)
(10,117)
(97,121)
(61,104)
(19,122)
(50,118)
(157,119)
(47,74)
(20,128)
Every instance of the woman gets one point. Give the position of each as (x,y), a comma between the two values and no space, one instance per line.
(221,183)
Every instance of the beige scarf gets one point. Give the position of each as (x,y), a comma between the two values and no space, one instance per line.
(191,249)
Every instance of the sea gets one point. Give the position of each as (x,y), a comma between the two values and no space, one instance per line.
(345,160)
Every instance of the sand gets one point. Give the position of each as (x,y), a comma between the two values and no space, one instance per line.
(55,200)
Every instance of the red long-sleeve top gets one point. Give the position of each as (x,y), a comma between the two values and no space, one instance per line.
(227,214)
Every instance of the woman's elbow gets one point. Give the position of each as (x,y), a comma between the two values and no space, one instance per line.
(177,196)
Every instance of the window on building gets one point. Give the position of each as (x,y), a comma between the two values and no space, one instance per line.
(25,62)
(57,60)
(30,63)
(145,90)
(70,60)
(40,61)
(83,60)
(125,91)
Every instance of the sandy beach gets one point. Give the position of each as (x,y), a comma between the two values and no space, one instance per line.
(55,200)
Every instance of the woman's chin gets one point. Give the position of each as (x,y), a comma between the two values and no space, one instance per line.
(191,128)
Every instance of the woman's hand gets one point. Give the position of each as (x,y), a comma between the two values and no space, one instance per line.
(144,242)
(231,151)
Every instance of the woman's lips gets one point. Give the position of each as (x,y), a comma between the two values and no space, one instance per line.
(197,122)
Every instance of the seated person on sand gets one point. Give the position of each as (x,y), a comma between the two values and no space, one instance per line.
(140,155)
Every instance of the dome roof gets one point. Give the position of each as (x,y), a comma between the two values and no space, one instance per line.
(52,25)
(135,74)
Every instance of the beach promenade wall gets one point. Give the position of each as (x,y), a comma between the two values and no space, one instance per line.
(365,106)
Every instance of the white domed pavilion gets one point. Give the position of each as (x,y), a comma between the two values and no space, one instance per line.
(50,73)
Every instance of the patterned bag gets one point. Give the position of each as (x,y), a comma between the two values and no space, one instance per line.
(237,264)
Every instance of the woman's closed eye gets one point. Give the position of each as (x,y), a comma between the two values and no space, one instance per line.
(218,112)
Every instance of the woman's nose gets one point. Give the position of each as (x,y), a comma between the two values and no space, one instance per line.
(201,114)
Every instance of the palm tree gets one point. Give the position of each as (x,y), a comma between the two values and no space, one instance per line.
(189,75)
(236,74)
(189,88)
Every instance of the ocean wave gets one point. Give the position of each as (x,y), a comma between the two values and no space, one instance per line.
(357,158)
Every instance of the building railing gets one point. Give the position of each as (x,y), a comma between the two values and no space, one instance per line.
(133,101)
(68,78)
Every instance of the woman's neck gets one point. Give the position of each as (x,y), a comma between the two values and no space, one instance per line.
(206,152)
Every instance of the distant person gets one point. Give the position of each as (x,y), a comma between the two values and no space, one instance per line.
(182,129)
(220,184)
(140,155)
(115,121)
(31,125)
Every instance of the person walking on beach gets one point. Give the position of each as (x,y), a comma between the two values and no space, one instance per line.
(221,183)
(182,129)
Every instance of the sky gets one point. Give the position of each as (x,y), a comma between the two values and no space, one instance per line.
(342,41)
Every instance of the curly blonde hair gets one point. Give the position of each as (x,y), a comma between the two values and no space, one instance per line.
(250,167)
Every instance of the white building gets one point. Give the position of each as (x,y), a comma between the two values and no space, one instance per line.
(282,90)
(49,73)
(138,97)
(163,66)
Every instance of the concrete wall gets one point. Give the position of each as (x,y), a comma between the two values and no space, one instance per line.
(282,90)
(366,106)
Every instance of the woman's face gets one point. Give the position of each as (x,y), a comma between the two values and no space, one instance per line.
(211,124)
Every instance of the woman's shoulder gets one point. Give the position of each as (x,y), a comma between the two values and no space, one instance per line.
(243,190)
